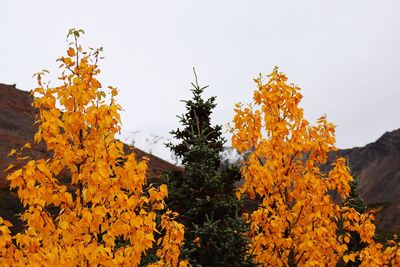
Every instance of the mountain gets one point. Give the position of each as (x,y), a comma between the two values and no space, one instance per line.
(377,166)
(17,128)
(16,124)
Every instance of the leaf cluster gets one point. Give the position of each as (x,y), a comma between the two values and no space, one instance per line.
(105,215)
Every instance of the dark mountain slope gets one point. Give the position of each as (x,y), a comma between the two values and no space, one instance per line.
(378,167)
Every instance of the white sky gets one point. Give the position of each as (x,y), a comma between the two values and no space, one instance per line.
(344,54)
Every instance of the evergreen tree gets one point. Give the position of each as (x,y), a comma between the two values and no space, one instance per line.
(356,202)
(203,193)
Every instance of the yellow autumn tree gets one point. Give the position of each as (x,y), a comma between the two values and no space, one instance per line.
(103,216)
(299,220)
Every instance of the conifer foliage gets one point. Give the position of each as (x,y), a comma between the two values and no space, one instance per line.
(355,244)
(202,193)
(104,216)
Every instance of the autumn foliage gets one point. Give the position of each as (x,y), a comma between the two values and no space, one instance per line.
(89,203)
(300,219)
(103,216)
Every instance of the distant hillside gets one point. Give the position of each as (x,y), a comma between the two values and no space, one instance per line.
(17,118)
(378,167)
(16,124)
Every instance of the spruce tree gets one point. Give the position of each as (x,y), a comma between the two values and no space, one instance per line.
(203,193)
(356,202)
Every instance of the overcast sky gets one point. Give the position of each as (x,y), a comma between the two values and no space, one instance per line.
(345,55)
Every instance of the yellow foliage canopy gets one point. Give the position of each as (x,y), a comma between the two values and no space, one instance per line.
(104,217)
(296,222)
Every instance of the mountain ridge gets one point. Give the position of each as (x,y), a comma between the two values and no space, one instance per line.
(377,166)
